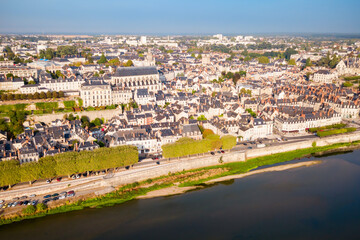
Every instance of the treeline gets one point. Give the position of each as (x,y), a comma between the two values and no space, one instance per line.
(188,146)
(282,55)
(230,75)
(42,95)
(335,131)
(61,51)
(266,45)
(15,126)
(66,164)
(328,61)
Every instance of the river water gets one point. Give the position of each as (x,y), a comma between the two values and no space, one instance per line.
(317,202)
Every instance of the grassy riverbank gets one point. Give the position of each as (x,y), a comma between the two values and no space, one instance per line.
(194,177)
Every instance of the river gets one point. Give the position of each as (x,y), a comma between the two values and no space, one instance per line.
(317,202)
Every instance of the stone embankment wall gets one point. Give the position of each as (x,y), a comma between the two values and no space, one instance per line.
(106,114)
(178,166)
(258,152)
(140,174)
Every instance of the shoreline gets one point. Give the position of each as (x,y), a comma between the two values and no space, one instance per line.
(181,182)
(265,170)
(176,190)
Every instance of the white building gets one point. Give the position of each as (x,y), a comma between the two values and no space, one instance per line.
(324,76)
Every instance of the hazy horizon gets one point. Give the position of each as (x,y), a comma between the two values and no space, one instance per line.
(161,17)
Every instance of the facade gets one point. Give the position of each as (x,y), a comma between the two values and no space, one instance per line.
(300,124)
(61,84)
(19,71)
(95,94)
(324,76)
(11,84)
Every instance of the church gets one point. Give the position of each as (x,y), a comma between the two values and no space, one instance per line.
(137,78)
(348,66)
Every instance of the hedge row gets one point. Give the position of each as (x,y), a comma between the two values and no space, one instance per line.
(188,146)
(11,172)
(69,104)
(334,132)
(336,126)
(352,78)
(17,107)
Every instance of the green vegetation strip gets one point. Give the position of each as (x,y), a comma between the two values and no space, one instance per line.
(124,194)
(131,191)
(11,172)
(188,146)
(331,130)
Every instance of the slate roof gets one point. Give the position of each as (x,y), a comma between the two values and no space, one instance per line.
(135,71)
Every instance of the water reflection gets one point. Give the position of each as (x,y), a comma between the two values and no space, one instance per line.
(317,202)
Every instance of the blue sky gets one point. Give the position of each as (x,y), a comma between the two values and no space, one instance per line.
(180,17)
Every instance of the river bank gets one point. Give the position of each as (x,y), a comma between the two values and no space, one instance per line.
(190,178)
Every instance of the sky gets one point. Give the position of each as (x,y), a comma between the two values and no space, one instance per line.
(197,17)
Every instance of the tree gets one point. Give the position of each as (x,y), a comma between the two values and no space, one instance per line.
(263,60)
(61,94)
(41,207)
(71,117)
(42,95)
(201,118)
(288,52)
(207,132)
(292,62)
(102,59)
(36,95)
(9,53)
(251,112)
(97,122)
(15,126)
(9,75)
(31,209)
(55,95)
(48,94)
(129,63)
(308,62)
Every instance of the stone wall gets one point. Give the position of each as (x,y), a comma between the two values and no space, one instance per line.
(106,114)
(140,174)
(177,166)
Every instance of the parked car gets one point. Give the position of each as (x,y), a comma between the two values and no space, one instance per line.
(48,181)
(62,197)
(58,179)
(15,198)
(55,195)
(71,194)
(47,196)
(23,197)
(45,201)
(26,202)
(32,195)
(34,202)
(222,151)
(212,153)
(2,201)
(73,176)
(63,193)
